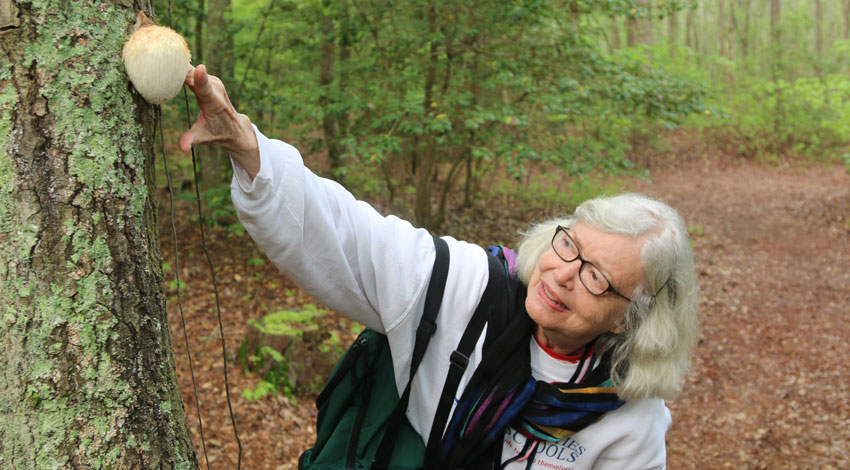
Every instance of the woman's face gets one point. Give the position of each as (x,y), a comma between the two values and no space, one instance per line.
(567,315)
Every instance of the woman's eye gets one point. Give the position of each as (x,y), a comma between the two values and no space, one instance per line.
(595,278)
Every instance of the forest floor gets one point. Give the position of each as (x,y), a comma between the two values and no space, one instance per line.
(769,387)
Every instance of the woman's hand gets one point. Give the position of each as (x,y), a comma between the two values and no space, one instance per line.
(219,123)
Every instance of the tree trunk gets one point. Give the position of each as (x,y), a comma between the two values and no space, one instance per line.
(846,16)
(425,168)
(775,12)
(672,32)
(776,50)
(690,29)
(743,31)
(215,166)
(721,29)
(819,28)
(775,37)
(200,20)
(640,25)
(334,120)
(616,42)
(87,379)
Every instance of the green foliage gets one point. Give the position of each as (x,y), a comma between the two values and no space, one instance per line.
(389,90)
(219,210)
(275,366)
(289,322)
(553,192)
(808,116)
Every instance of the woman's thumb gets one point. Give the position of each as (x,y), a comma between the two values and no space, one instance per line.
(193,136)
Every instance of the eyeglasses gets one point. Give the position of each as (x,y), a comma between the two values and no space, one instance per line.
(591,277)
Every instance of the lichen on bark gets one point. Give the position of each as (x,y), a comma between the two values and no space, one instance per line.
(82,309)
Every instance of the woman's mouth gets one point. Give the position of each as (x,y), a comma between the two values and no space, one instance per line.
(550,298)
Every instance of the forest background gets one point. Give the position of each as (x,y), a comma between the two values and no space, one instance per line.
(473,118)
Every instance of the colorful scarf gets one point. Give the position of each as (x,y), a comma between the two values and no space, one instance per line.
(502,391)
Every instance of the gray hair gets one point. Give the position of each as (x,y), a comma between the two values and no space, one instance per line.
(651,357)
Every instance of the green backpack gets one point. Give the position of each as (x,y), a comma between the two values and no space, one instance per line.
(361,422)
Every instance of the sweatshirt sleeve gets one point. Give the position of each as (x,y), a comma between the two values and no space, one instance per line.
(372,268)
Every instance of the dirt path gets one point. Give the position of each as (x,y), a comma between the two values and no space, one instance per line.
(769,388)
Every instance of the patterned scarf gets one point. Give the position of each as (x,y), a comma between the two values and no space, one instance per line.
(502,391)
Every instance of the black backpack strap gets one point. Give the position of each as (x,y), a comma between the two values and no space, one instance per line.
(496,285)
(427,327)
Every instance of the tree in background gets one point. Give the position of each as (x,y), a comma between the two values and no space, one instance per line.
(427,92)
(88,377)
(218,47)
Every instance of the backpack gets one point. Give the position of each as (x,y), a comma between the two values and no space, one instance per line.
(361,422)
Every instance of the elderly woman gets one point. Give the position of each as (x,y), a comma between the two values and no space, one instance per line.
(604,301)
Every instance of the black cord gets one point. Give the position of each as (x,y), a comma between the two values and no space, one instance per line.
(177,277)
(215,289)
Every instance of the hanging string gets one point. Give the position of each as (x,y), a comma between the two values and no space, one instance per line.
(177,277)
(215,289)
(212,272)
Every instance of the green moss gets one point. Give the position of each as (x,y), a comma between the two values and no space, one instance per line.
(8,101)
(76,55)
(90,87)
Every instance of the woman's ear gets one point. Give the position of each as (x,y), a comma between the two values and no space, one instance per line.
(619,328)
(620,324)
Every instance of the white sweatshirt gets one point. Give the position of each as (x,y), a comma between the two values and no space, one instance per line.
(375,270)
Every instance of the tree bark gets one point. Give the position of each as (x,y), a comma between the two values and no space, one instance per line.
(616,43)
(200,20)
(721,29)
(818,28)
(672,32)
(334,120)
(690,29)
(742,27)
(640,25)
(846,17)
(425,168)
(87,379)
(775,12)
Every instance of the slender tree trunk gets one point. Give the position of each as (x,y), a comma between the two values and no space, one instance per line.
(639,29)
(775,48)
(673,32)
(616,42)
(200,20)
(775,36)
(690,29)
(846,16)
(215,166)
(721,29)
(775,13)
(426,168)
(743,32)
(819,28)
(327,100)
(730,31)
(87,379)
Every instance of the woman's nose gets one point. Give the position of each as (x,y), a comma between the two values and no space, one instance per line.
(566,273)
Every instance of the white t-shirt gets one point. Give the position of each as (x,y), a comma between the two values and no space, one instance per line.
(375,270)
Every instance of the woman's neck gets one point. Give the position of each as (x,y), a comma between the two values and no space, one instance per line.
(558,343)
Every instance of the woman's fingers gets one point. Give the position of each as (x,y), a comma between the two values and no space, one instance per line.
(190,76)
(218,122)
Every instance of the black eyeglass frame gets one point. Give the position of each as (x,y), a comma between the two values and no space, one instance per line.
(584,262)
